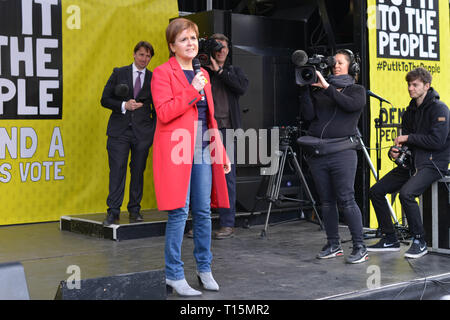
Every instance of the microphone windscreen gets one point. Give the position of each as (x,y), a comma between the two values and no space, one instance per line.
(121,90)
(299,58)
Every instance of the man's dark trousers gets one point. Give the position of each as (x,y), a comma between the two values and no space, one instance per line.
(410,185)
(227,216)
(118,151)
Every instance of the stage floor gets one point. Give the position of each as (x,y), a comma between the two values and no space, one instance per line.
(282,266)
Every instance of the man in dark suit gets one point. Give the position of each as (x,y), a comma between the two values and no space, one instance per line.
(130,128)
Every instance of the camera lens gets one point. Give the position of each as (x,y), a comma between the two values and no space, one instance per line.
(307,74)
(203,58)
(217,46)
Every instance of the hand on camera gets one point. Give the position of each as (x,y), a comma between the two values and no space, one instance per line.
(394,152)
(321,82)
(400,140)
(214,65)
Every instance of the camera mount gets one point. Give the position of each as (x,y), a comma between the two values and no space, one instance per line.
(283,155)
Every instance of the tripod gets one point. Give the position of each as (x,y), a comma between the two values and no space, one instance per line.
(273,189)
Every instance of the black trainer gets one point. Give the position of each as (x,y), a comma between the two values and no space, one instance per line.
(330,251)
(417,249)
(358,255)
(384,245)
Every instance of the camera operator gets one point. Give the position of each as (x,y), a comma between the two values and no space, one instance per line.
(333,108)
(425,131)
(228,84)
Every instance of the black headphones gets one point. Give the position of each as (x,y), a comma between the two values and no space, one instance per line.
(353,68)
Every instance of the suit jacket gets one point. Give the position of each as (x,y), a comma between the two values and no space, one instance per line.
(175,103)
(143,119)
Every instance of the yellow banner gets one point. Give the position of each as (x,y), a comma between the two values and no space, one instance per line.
(55,61)
(403,35)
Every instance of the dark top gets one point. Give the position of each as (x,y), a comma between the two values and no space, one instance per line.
(142,120)
(234,83)
(202,107)
(427,127)
(221,104)
(332,113)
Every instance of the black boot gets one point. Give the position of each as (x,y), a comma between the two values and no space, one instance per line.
(111,219)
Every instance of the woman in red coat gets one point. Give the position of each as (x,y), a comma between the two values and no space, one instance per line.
(189,159)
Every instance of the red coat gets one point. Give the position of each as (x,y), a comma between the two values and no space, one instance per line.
(174,99)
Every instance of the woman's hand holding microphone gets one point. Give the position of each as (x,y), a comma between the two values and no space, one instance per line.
(199,81)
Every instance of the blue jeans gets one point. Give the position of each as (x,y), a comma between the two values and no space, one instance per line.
(199,197)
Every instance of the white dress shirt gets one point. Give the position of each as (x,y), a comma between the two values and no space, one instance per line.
(135,75)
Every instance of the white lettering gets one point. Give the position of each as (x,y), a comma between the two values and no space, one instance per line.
(42,58)
(9,94)
(25,56)
(7,142)
(27,16)
(46,12)
(28,134)
(22,108)
(45,97)
(56,144)
(4,170)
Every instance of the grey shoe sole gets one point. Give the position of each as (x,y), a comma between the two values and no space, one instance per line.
(415,256)
(383,249)
(338,253)
(364,258)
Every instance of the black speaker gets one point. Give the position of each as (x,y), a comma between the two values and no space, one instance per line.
(13,284)
(147,285)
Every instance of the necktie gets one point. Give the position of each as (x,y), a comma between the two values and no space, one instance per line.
(137,84)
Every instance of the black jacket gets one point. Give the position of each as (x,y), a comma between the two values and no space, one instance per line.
(428,130)
(142,120)
(332,113)
(236,83)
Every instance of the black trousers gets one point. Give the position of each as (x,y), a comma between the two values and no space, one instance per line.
(227,216)
(409,187)
(334,179)
(119,149)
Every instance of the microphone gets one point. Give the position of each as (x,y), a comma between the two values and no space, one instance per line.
(121,90)
(370,93)
(196,66)
(299,58)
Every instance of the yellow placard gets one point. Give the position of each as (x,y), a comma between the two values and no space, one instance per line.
(53,158)
(403,35)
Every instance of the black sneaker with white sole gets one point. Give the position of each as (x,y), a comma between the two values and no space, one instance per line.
(384,245)
(330,251)
(358,255)
(418,249)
